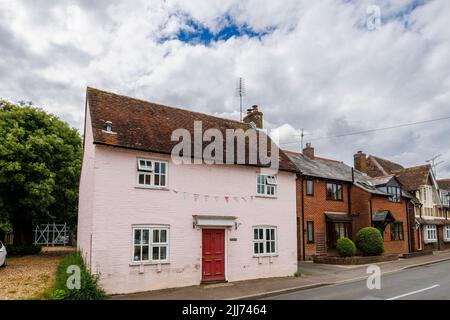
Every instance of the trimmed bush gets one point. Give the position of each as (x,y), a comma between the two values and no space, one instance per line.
(346,247)
(25,250)
(89,289)
(370,241)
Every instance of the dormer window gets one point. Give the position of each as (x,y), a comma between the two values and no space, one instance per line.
(152,173)
(395,194)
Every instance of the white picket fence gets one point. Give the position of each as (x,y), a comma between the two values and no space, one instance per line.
(52,234)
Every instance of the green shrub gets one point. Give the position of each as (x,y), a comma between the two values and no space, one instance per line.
(58,294)
(14,251)
(89,289)
(370,241)
(346,247)
(297,274)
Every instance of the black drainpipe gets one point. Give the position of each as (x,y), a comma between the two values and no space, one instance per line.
(303,221)
(409,227)
(350,193)
(371,212)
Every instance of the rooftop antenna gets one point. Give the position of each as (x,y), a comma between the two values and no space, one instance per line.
(434,164)
(301,137)
(240,92)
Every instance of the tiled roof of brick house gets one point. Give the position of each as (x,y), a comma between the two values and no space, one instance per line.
(147,126)
(444,184)
(414,177)
(411,178)
(380,167)
(337,170)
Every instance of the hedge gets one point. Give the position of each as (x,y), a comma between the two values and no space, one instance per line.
(370,241)
(89,288)
(346,247)
(14,251)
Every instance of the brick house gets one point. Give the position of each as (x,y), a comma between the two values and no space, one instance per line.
(383,203)
(430,228)
(335,201)
(323,210)
(147,223)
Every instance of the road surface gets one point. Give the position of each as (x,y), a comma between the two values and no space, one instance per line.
(431,282)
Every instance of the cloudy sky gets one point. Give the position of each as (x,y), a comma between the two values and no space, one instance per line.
(330,66)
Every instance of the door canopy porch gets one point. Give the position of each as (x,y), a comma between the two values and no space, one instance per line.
(205,221)
(384,217)
(338,217)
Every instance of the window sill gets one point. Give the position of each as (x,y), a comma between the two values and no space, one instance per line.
(265,255)
(152,188)
(336,200)
(137,264)
(265,196)
(430,241)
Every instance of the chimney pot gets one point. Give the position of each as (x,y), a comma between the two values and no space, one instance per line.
(309,151)
(255,116)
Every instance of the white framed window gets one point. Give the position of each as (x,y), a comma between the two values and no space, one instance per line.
(151,173)
(447,233)
(150,244)
(395,194)
(264,241)
(427,196)
(430,233)
(266,185)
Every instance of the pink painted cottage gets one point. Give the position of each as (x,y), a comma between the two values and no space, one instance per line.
(147,223)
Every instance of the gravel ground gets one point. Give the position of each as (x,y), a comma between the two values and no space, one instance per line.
(26,277)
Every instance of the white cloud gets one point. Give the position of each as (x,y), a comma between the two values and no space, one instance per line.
(320,69)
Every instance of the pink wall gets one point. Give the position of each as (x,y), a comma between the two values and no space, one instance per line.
(86,194)
(117,205)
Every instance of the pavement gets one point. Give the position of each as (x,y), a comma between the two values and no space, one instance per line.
(313,276)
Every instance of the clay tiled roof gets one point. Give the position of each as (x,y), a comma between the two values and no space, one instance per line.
(444,184)
(147,126)
(414,177)
(380,167)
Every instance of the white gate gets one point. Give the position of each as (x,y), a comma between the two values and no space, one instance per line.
(52,234)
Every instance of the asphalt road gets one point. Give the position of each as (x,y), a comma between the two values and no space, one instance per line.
(431,282)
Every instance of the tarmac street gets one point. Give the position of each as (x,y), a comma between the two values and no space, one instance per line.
(429,282)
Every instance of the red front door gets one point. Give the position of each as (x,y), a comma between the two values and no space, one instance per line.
(213,255)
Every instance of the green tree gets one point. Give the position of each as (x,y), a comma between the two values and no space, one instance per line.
(40,162)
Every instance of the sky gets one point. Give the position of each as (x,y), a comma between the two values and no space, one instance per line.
(329,67)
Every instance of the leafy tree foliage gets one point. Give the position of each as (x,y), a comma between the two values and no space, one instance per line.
(40,162)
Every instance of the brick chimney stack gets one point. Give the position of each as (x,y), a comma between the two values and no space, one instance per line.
(360,162)
(255,116)
(309,151)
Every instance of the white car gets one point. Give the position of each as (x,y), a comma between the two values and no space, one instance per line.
(3,254)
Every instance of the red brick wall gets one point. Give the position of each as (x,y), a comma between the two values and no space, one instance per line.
(360,209)
(364,203)
(443,245)
(314,207)
(398,210)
